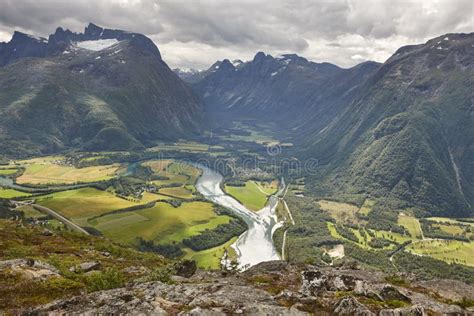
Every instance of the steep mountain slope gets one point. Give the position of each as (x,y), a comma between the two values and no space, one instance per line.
(103,89)
(409,132)
(288,89)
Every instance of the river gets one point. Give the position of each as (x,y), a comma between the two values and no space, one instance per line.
(256,244)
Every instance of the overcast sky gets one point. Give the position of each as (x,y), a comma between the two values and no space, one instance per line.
(196,33)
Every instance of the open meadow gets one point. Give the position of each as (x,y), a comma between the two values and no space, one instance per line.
(162,223)
(50,171)
(249,195)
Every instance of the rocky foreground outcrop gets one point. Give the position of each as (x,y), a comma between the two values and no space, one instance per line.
(274,288)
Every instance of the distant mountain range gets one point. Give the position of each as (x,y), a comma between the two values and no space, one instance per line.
(403,129)
(98,90)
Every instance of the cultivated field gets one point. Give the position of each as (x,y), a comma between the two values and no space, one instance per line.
(10,194)
(7,172)
(249,195)
(81,204)
(411,224)
(52,173)
(177,192)
(162,223)
(341,212)
(451,251)
(211,258)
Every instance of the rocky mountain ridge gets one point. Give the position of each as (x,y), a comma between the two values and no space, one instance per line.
(275,288)
(101,89)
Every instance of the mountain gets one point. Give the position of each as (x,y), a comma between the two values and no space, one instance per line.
(408,134)
(287,89)
(98,90)
(401,131)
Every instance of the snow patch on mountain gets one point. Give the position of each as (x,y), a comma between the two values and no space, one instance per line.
(98,44)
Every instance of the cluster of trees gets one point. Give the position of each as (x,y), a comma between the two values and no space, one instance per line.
(346,233)
(171,251)
(305,240)
(428,268)
(217,236)
(436,232)
(99,161)
(379,243)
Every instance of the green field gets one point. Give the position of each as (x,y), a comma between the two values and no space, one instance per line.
(51,173)
(451,251)
(211,258)
(178,192)
(7,172)
(175,172)
(450,221)
(249,195)
(162,223)
(268,188)
(363,243)
(10,193)
(366,207)
(30,212)
(341,212)
(83,203)
(411,224)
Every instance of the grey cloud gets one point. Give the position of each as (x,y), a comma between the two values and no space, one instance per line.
(195,33)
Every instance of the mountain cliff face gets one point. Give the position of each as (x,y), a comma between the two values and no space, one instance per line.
(101,89)
(409,132)
(288,89)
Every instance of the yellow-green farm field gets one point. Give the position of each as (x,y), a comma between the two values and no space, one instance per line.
(7,172)
(450,221)
(81,204)
(162,223)
(451,251)
(177,192)
(51,173)
(211,258)
(268,188)
(10,194)
(249,195)
(173,172)
(341,212)
(411,224)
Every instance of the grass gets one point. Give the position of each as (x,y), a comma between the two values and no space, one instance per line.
(411,224)
(10,194)
(364,243)
(7,172)
(210,258)
(178,192)
(175,171)
(162,223)
(50,173)
(341,212)
(182,146)
(30,212)
(249,195)
(366,207)
(268,187)
(83,203)
(398,238)
(62,250)
(451,251)
(449,220)
(450,229)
